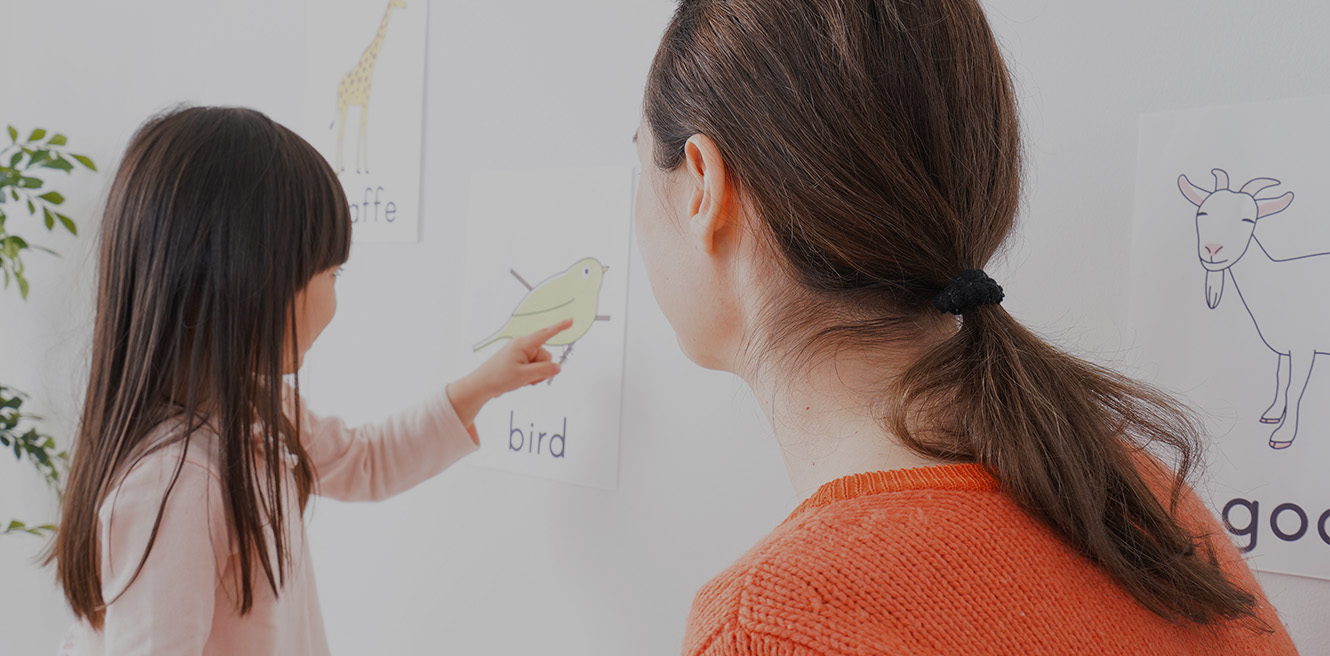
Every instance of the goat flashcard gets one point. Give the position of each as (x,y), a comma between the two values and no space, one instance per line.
(1231,309)
(542,246)
(364,55)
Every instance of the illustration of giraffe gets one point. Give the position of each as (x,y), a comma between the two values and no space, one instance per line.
(354,91)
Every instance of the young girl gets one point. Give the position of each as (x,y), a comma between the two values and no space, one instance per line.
(822,182)
(182,529)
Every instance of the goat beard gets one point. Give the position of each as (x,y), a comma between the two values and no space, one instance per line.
(1214,288)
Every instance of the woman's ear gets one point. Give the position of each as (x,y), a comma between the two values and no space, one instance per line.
(711,205)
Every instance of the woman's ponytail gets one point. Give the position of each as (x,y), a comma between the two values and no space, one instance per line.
(1067,440)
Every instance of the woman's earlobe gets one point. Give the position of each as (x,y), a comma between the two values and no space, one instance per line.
(708,218)
(703,228)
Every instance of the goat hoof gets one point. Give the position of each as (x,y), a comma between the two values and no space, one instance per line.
(1278,445)
(1266,420)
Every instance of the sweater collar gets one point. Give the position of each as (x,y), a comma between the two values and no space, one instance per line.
(967,477)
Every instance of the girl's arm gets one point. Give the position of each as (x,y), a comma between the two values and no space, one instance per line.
(380,460)
(169,608)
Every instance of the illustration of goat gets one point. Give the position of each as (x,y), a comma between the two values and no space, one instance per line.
(1283,296)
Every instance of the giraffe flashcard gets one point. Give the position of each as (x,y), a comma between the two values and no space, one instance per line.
(364,107)
(1230,307)
(543,246)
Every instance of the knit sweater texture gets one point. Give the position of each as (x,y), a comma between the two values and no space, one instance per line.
(938,560)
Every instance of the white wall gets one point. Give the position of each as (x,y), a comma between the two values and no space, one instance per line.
(482,562)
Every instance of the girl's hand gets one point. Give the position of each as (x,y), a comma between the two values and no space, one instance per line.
(522,361)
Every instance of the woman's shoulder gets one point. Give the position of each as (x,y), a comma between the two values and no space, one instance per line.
(846,567)
(923,570)
(885,527)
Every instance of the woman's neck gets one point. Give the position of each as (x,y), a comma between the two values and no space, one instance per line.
(825,421)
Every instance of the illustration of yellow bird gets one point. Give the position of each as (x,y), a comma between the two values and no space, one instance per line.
(572,294)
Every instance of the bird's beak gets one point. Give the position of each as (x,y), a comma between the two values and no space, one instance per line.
(604,268)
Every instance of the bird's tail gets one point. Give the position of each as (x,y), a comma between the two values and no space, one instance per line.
(490,340)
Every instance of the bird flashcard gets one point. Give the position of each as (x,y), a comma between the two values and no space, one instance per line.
(542,246)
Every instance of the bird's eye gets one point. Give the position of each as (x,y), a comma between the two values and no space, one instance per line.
(586,272)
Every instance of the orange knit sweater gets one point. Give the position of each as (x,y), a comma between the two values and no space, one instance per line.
(938,560)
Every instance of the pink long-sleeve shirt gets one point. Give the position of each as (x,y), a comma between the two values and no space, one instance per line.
(183,601)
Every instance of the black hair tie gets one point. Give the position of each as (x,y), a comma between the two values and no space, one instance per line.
(968,291)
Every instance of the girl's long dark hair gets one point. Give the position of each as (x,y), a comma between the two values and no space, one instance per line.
(878,142)
(216,219)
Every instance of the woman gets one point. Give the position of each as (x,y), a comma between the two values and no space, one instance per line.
(823,182)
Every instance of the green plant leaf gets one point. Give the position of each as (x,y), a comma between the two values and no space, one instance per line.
(13,134)
(83,159)
(50,220)
(28,182)
(52,197)
(57,140)
(32,209)
(68,223)
(23,287)
(13,161)
(36,134)
(19,527)
(58,163)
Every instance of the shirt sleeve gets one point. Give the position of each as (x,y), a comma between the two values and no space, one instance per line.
(379,460)
(168,608)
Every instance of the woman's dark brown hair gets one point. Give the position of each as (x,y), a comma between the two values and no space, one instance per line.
(877,142)
(216,219)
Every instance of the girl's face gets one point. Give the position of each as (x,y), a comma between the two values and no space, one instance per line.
(315,306)
(689,254)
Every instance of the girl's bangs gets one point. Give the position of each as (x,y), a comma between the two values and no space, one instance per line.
(326,214)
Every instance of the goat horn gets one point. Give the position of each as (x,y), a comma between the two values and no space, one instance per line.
(1258,185)
(1221,179)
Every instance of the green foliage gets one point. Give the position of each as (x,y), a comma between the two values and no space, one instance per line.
(24,165)
(21,164)
(17,434)
(15,526)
